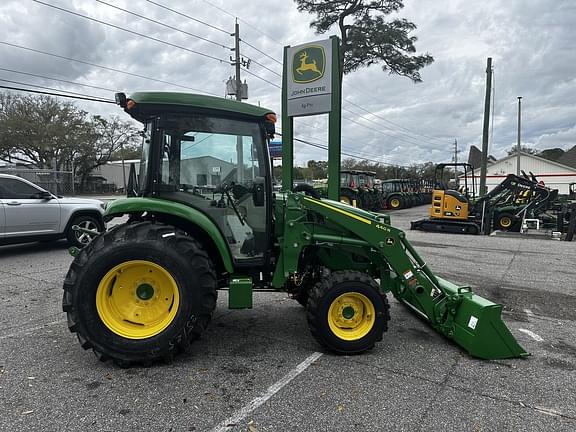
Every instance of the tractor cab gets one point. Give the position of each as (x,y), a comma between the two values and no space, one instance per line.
(210,155)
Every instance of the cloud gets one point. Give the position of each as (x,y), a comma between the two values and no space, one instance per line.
(531,44)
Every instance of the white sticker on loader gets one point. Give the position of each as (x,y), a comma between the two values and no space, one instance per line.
(473,321)
(408,274)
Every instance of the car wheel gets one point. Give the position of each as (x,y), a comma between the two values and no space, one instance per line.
(80,239)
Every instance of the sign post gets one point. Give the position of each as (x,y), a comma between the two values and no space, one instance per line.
(311,85)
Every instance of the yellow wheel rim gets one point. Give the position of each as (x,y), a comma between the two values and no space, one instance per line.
(137,299)
(505,222)
(351,316)
(345,200)
(394,203)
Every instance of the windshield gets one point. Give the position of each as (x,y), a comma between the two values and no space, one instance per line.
(202,153)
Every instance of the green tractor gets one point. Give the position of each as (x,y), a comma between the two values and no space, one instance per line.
(357,188)
(203,216)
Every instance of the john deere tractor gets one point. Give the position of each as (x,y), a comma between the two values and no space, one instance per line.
(204,217)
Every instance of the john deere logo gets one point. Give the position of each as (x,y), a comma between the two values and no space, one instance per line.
(308,64)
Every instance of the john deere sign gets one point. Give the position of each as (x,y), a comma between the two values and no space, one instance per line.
(309,78)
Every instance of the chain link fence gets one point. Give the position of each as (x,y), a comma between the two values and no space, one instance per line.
(63,182)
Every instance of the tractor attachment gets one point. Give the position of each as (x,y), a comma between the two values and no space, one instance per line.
(469,320)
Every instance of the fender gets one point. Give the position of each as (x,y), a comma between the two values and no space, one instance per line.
(190,214)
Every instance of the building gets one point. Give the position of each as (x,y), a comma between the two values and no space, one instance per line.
(554,175)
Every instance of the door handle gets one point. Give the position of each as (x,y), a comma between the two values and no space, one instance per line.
(14,203)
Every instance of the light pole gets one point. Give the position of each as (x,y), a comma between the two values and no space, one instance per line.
(518,145)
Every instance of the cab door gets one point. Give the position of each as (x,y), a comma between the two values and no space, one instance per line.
(25,214)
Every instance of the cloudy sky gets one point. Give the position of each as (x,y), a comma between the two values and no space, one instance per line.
(385,118)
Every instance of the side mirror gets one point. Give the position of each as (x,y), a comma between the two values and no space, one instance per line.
(258,195)
(43,195)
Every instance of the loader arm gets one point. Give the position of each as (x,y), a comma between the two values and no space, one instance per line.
(455,311)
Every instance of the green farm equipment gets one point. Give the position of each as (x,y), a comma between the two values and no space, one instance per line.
(203,216)
(357,188)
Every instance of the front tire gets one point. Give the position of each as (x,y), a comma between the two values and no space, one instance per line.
(507,222)
(140,293)
(347,313)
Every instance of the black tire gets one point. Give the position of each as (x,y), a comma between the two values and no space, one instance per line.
(348,197)
(178,255)
(78,238)
(307,189)
(327,292)
(394,202)
(506,222)
(302,297)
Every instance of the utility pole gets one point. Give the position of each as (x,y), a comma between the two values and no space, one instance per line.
(485,131)
(518,145)
(238,91)
(237,60)
(456,179)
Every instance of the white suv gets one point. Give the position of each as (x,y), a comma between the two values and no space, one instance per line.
(30,213)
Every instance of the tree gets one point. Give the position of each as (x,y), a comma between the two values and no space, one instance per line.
(367,37)
(40,130)
(45,133)
(524,149)
(111,137)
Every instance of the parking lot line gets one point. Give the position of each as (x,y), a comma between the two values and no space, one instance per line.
(533,335)
(233,420)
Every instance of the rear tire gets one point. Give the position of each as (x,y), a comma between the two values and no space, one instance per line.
(394,202)
(347,313)
(132,297)
(349,197)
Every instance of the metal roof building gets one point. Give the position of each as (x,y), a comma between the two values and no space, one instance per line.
(555,175)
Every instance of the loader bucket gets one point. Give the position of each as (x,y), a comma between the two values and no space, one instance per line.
(478,326)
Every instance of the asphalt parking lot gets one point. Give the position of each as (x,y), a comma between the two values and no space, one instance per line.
(261,370)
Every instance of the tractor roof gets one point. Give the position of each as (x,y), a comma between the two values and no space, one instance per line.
(201,102)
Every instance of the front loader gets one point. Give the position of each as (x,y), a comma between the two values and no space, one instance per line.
(203,217)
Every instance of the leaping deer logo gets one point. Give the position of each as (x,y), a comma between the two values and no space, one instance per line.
(307,66)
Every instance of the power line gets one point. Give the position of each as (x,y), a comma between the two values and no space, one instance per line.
(400,138)
(242,20)
(188,16)
(58,94)
(162,24)
(386,120)
(45,88)
(262,52)
(260,78)
(131,31)
(355,155)
(57,79)
(263,66)
(105,67)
